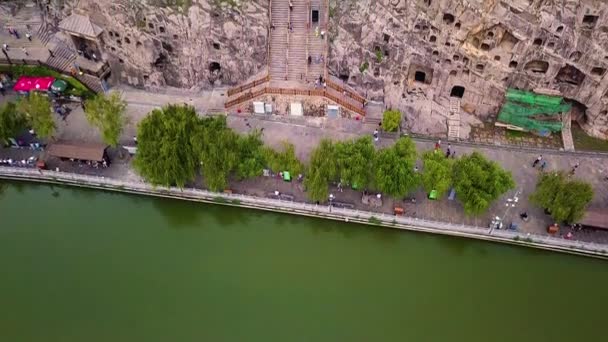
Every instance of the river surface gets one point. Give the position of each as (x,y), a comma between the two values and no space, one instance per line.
(81,265)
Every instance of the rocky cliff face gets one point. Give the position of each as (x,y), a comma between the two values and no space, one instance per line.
(180,43)
(404,50)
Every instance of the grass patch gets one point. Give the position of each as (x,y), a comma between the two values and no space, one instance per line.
(75,88)
(585,142)
(512,135)
(236,201)
(374,220)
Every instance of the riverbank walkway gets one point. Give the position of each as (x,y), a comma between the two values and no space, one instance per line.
(305,133)
(322,211)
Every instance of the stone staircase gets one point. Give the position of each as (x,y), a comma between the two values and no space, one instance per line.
(297,59)
(454,119)
(567,132)
(277,67)
(64,58)
(317,47)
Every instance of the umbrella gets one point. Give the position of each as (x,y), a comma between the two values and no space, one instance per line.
(59,86)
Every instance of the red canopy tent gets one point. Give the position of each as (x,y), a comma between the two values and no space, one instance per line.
(27,83)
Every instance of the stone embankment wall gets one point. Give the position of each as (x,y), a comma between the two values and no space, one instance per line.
(321,211)
(178,43)
(474,49)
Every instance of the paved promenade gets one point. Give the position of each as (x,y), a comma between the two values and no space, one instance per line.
(305,133)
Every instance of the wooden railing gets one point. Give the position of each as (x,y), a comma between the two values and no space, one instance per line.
(240,89)
(303,92)
(345,91)
(40,63)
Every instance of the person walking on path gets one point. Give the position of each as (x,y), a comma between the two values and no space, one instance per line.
(51,53)
(537,160)
(438,144)
(376,135)
(573,171)
(25,51)
(543,166)
(5,47)
(2,90)
(449,151)
(453,154)
(28,36)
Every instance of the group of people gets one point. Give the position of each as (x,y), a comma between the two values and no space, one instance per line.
(449,153)
(543,164)
(15,33)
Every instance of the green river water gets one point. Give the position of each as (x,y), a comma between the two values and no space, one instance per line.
(81,265)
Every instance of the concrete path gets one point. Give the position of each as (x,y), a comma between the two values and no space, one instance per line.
(307,134)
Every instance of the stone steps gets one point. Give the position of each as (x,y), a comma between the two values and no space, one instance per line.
(454,119)
(567,132)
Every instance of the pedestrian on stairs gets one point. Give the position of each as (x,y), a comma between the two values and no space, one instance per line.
(51,53)
(28,36)
(16,33)
(290,6)
(25,51)
(5,47)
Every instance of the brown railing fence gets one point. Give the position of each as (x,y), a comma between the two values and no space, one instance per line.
(293,92)
(253,84)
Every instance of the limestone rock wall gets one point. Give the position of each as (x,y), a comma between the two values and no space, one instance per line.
(180,43)
(402,50)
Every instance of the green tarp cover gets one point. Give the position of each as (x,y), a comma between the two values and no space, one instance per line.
(525,109)
(59,86)
(286,176)
(433,195)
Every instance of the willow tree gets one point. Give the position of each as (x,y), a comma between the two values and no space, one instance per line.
(37,111)
(321,170)
(479,182)
(12,122)
(218,151)
(437,172)
(565,199)
(394,168)
(165,153)
(354,160)
(107,113)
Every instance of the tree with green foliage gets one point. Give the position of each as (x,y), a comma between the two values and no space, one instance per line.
(394,168)
(166,153)
(391,119)
(437,172)
(12,122)
(107,113)
(321,170)
(565,199)
(284,159)
(252,159)
(354,160)
(218,150)
(479,182)
(36,108)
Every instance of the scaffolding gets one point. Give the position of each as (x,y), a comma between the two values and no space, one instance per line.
(528,111)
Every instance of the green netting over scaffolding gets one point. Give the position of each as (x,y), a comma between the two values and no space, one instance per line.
(528,111)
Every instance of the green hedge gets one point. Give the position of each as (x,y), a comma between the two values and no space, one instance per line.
(75,88)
